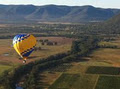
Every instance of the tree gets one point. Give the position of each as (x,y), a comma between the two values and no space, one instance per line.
(75,47)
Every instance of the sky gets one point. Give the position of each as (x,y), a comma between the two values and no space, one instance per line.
(96,3)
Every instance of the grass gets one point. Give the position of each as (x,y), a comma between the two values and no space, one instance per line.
(108,82)
(4,67)
(12,58)
(108,55)
(47,78)
(61,68)
(103,70)
(6,48)
(111,43)
(108,43)
(51,50)
(104,61)
(74,81)
(77,68)
(95,63)
(72,76)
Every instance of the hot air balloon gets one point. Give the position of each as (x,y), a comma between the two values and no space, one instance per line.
(24,45)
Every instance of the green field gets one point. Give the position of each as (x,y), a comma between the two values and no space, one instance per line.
(89,81)
(4,67)
(74,81)
(103,70)
(108,82)
(99,70)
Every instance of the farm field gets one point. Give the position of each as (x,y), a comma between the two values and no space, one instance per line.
(8,53)
(101,66)
(9,58)
(108,82)
(111,56)
(74,81)
(4,67)
(100,70)
(63,45)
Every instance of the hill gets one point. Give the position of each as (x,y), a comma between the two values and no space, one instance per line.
(114,20)
(112,25)
(55,13)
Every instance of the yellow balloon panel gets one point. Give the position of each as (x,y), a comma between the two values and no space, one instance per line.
(25,45)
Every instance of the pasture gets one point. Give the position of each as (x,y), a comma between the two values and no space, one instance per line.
(103,70)
(8,54)
(74,81)
(9,58)
(4,67)
(99,70)
(108,82)
(95,71)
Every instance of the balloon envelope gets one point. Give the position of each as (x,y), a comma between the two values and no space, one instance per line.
(24,44)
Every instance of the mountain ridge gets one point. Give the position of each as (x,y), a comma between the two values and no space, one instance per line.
(55,13)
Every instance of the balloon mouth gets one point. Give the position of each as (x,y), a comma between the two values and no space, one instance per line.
(25,58)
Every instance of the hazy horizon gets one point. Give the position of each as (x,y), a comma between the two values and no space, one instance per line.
(95,3)
(62,5)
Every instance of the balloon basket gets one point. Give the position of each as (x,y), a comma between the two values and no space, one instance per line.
(24,61)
